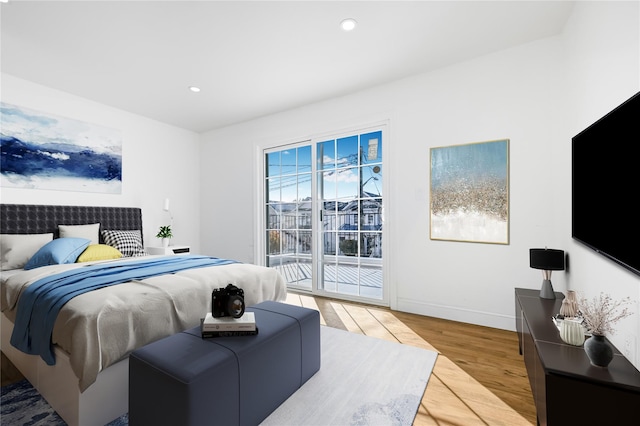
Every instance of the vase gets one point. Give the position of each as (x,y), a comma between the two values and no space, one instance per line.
(572,332)
(598,350)
(165,242)
(569,306)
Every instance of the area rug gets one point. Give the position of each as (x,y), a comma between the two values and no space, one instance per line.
(362,381)
(23,405)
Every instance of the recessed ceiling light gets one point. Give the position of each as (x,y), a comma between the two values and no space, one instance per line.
(348,24)
(194,89)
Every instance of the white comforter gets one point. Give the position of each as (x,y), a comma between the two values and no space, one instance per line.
(101,327)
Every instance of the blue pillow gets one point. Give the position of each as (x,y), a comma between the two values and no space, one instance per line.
(58,251)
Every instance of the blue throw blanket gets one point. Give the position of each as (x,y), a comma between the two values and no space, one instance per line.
(40,303)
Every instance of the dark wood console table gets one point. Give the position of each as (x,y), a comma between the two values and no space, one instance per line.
(566,388)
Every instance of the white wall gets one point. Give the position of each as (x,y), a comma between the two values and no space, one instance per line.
(158,161)
(506,95)
(537,95)
(602,51)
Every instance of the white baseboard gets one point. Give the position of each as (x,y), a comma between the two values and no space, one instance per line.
(454,313)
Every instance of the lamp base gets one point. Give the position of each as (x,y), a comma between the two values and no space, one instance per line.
(546,292)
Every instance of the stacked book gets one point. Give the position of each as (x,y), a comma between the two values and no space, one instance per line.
(229,326)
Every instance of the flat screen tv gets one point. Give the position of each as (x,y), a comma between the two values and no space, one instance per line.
(606,185)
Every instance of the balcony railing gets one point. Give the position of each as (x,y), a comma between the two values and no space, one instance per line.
(344,274)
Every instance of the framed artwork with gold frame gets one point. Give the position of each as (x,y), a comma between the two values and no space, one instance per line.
(469,192)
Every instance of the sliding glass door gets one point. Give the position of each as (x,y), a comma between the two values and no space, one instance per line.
(324,215)
(289,239)
(349,179)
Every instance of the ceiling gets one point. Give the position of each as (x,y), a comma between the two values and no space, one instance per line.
(250,59)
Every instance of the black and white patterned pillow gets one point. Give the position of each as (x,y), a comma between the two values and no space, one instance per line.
(129,243)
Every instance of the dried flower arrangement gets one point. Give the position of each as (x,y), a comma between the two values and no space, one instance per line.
(601,313)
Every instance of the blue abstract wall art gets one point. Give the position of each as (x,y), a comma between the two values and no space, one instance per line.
(45,151)
(470,192)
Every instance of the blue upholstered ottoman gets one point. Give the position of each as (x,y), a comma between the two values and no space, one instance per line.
(187,380)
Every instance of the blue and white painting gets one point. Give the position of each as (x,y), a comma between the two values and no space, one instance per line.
(470,192)
(44,151)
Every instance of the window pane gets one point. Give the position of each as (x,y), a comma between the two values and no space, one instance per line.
(326,155)
(304,187)
(274,261)
(371,214)
(329,216)
(288,161)
(371,244)
(329,242)
(347,279)
(273,164)
(304,244)
(273,242)
(289,192)
(304,159)
(289,241)
(289,216)
(371,144)
(347,216)
(273,188)
(347,181)
(273,216)
(329,273)
(347,151)
(372,181)
(328,185)
(348,243)
(304,215)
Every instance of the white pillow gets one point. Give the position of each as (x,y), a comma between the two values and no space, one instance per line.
(17,249)
(89,232)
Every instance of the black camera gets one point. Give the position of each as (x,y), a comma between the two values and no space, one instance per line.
(227,302)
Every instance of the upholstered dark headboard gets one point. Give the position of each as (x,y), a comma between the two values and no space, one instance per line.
(40,219)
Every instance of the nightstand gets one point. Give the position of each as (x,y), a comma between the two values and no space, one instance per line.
(169,250)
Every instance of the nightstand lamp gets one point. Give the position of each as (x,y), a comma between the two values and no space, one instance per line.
(548,260)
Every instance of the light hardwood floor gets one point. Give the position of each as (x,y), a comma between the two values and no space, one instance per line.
(479,377)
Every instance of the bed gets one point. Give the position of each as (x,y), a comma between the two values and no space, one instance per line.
(94,332)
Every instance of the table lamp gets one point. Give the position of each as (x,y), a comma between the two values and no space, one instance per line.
(548,260)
